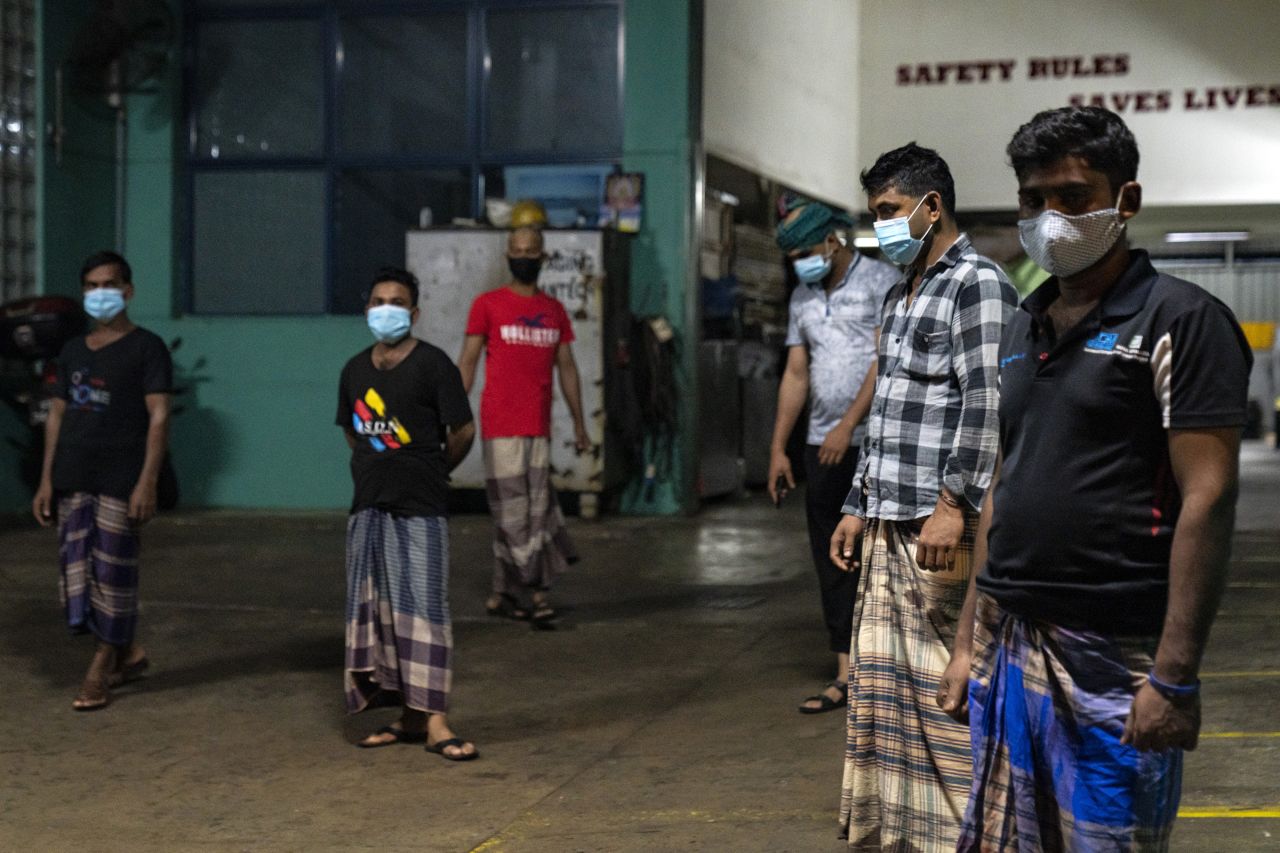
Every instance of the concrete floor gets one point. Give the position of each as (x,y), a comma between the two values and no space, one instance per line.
(659,718)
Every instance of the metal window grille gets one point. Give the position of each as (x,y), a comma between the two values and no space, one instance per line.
(18,140)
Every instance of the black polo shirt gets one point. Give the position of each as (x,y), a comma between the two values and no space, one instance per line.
(1086,503)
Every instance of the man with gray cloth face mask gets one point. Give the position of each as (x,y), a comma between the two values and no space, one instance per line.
(832,323)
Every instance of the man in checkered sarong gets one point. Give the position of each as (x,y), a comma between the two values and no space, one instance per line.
(921,477)
(105,443)
(408,422)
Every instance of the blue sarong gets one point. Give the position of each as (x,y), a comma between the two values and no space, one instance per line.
(1047,709)
(98,557)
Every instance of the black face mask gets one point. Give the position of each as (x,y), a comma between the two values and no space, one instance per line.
(525,269)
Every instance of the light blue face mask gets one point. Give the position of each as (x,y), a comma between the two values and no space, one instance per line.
(812,269)
(895,237)
(103,303)
(389,323)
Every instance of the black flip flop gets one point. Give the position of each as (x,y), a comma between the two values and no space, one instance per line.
(826,702)
(401,736)
(439,749)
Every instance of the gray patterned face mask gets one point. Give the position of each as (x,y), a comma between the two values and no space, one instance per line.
(1065,245)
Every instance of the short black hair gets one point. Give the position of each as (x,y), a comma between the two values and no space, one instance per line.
(1096,135)
(913,171)
(102,259)
(398,275)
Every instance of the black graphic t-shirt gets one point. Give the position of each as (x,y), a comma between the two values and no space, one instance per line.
(399,418)
(103,440)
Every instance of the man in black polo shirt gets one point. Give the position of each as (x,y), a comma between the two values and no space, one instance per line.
(1108,527)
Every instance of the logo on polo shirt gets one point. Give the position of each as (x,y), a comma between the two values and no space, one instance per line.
(1107,343)
(1101,342)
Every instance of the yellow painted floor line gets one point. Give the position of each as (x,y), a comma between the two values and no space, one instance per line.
(1209,735)
(1217,812)
(1248,673)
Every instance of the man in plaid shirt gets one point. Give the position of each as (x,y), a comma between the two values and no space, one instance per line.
(924,469)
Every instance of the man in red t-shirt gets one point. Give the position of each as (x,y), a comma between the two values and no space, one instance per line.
(526,334)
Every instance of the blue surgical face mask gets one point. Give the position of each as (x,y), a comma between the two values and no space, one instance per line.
(389,323)
(895,237)
(813,268)
(103,303)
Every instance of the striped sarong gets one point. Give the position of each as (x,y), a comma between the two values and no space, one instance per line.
(98,558)
(1047,708)
(531,546)
(907,764)
(399,636)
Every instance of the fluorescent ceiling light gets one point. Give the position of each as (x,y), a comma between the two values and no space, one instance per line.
(866,242)
(1206,236)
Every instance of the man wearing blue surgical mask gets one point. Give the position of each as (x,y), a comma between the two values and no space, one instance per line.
(925,467)
(406,418)
(105,443)
(831,355)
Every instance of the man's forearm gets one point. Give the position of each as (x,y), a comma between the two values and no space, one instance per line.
(1197,577)
(792,392)
(571,387)
(457,444)
(52,429)
(157,444)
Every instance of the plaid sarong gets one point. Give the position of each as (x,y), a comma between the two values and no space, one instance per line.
(531,546)
(907,765)
(1047,707)
(399,637)
(98,557)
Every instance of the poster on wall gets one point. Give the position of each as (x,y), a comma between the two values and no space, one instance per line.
(1197,83)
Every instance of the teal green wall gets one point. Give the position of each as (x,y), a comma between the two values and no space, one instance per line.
(257,427)
(658,139)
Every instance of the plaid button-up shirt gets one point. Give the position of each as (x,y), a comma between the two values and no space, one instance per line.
(933,421)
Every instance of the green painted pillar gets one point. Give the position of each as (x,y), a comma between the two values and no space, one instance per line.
(662,130)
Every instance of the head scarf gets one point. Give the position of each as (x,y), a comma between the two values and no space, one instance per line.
(811,226)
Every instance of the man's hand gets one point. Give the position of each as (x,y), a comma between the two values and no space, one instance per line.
(142,503)
(834,446)
(42,504)
(780,466)
(940,537)
(581,441)
(1156,723)
(842,551)
(953,688)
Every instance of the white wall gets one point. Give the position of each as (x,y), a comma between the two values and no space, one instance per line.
(780,91)
(1224,156)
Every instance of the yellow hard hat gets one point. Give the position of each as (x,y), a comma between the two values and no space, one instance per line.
(528,213)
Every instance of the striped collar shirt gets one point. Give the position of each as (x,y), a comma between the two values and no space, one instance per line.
(933,420)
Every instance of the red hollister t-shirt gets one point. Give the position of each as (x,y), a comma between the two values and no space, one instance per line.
(522,334)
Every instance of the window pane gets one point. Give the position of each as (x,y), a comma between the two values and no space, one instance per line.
(373,211)
(259,89)
(404,83)
(553,81)
(259,243)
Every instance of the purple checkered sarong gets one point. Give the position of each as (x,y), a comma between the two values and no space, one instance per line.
(98,556)
(399,637)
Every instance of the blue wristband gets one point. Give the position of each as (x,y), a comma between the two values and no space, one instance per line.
(1173,691)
